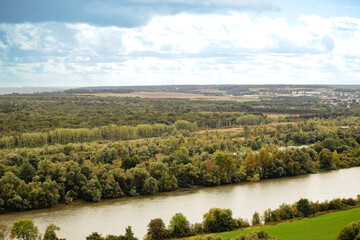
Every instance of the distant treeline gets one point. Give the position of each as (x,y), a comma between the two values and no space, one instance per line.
(48,111)
(114,132)
(111,132)
(44,112)
(100,90)
(227,88)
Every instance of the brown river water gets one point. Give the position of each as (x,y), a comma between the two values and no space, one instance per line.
(112,216)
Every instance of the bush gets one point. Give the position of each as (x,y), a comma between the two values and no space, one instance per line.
(156,229)
(242,223)
(256,235)
(335,204)
(350,232)
(209,238)
(256,219)
(50,232)
(24,229)
(94,236)
(196,229)
(286,212)
(179,226)
(218,220)
(304,207)
(349,201)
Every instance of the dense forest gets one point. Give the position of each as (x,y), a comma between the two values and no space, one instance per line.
(57,148)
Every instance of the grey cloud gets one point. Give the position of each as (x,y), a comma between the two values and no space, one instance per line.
(39,42)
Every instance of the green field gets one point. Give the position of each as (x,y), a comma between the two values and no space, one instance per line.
(323,227)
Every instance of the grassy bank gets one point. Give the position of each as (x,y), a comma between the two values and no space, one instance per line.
(322,227)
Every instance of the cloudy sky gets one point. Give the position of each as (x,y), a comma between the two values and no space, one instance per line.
(144,42)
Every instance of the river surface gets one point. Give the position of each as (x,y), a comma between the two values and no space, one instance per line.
(112,216)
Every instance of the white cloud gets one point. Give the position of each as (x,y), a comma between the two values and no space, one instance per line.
(2,45)
(184,48)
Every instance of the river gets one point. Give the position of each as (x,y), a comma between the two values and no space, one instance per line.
(112,216)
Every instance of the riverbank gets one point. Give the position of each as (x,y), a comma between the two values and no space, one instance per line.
(113,216)
(180,191)
(323,227)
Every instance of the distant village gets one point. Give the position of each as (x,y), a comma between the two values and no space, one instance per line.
(336,97)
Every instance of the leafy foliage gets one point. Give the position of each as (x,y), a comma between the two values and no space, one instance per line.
(350,232)
(24,229)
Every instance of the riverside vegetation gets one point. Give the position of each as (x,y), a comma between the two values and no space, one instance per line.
(59,165)
(216,220)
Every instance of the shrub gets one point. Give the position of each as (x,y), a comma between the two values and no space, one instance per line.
(218,220)
(349,201)
(286,212)
(257,235)
(242,223)
(179,226)
(335,204)
(196,229)
(256,219)
(304,207)
(350,232)
(157,230)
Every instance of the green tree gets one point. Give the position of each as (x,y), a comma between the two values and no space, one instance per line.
(329,143)
(130,162)
(246,132)
(304,207)
(336,158)
(250,164)
(263,158)
(50,232)
(94,236)
(24,229)
(138,175)
(13,193)
(218,220)
(156,229)
(129,235)
(179,226)
(27,172)
(92,190)
(150,186)
(325,158)
(226,165)
(255,219)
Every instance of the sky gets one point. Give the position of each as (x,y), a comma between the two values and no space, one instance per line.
(73,43)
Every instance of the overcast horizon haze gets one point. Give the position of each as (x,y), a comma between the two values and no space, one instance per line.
(75,43)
